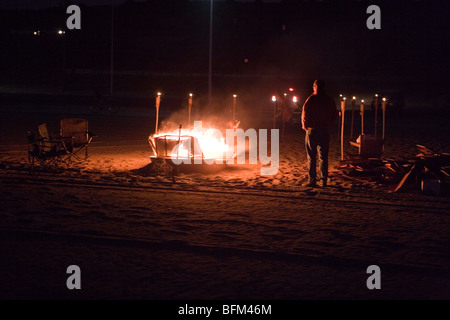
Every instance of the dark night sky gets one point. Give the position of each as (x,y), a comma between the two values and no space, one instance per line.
(35,4)
(321,38)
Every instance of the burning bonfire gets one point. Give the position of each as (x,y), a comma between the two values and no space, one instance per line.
(176,146)
(197,145)
(194,145)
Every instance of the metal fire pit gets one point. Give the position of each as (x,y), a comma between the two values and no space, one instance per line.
(163,146)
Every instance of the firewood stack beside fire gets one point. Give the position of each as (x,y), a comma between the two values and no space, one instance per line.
(428,172)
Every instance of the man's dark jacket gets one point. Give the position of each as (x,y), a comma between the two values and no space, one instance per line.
(319,111)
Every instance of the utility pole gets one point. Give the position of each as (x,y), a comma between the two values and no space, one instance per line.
(210,56)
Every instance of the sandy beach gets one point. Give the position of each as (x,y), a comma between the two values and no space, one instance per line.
(232,233)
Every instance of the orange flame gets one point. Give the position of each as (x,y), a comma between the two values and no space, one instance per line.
(211,143)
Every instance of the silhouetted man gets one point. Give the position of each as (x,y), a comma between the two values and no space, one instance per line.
(318,115)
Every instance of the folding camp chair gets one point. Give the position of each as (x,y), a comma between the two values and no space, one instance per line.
(43,131)
(46,140)
(76,135)
(49,153)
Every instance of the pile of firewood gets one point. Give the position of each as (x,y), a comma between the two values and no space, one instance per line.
(428,172)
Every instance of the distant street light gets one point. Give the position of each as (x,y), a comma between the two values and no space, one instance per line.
(61,34)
